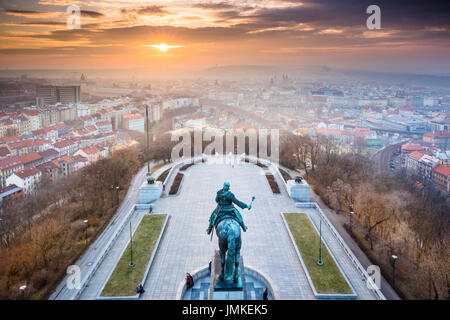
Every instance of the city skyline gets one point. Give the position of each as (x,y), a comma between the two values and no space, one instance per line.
(119,34)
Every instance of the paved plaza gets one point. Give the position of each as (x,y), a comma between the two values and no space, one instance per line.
(186,247)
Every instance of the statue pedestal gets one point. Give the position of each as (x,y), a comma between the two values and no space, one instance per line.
(222,289)
(299,191)
(150,192)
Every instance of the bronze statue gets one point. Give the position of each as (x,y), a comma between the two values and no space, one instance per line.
(228,222)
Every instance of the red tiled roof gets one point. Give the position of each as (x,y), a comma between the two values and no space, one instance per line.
(30,157)
(64,143)
(48,153)
(90,150)
(28,172)
(11,139)
(443,169)
(10,162)
(103,123)
(4,151)
(416,154)
(31,113)
(408,146)
(21,144)
(66,158)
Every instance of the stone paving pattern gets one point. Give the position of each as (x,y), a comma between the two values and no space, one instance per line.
(185,246)
(266,244)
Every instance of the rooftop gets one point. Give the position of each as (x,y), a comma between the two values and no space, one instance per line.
(10,162)
(443,169)
(28,172)
(30,157)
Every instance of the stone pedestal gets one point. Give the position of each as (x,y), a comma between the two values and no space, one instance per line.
(150,192)
(299,191)
(226,290)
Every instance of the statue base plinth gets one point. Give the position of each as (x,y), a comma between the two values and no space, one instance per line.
(223,289)
(149,192)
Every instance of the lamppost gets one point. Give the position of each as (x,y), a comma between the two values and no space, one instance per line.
(112,195)
(117,189)
(351,224)
(22,289)
(86,229)
(320,262)
(131,249)
(394,258)
(148,146)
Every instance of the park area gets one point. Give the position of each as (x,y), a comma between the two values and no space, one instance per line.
(124,279)
(326,278)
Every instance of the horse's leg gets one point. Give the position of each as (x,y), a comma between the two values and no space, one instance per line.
(231,255)
(222,251)
(236,262)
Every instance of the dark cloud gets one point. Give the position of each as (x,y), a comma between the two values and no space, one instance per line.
(154,10)
(28,13)
(44,23)
(214,6)
(91,14)
(407,14)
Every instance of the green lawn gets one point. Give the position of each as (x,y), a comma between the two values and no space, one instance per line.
(326,278)
(124,280)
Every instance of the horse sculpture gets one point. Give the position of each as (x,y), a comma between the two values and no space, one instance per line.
(228,222)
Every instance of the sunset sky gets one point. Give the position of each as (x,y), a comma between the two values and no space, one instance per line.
(415,35)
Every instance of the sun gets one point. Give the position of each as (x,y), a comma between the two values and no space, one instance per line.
(162,46)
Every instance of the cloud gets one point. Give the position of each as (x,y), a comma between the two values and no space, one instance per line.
(91,14)
(31,14)
(214,5)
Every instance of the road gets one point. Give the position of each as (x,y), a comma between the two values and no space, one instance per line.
(87,262)
(383,157)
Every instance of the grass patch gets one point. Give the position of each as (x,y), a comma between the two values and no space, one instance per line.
(286,176)
(124,280)
(326,278)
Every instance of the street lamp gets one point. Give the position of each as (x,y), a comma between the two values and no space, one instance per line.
(22,288)
(394,258)
(320,262)
(86,229)
(131,249)
(112,196)
(117,189)
(351,224)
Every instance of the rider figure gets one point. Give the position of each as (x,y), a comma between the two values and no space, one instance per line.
(225,208)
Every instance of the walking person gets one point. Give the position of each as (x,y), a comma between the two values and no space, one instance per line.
(189,281)
(265,294)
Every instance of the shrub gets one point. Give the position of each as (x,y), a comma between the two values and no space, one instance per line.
(273,184)
(176,183)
